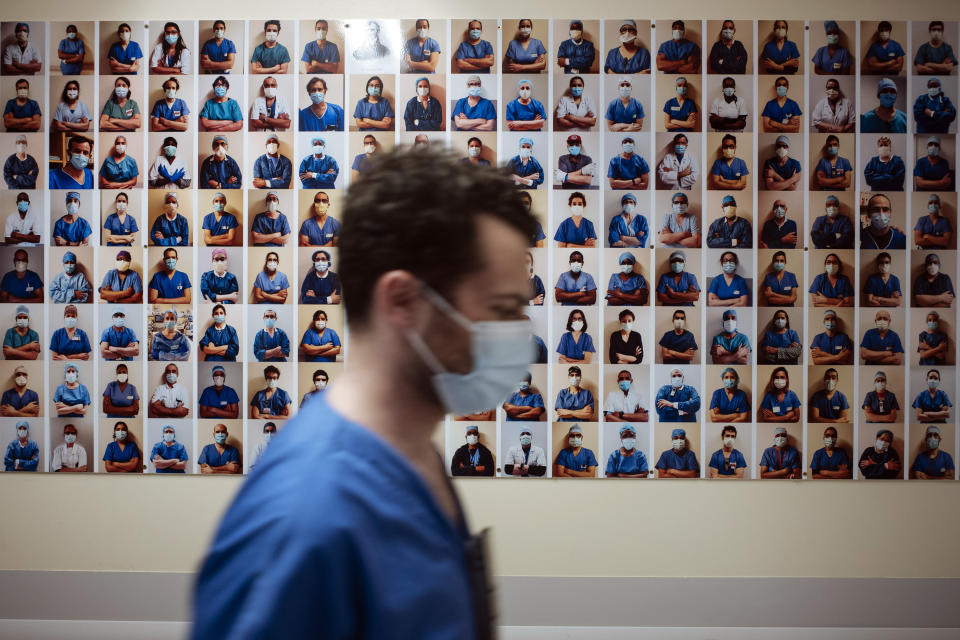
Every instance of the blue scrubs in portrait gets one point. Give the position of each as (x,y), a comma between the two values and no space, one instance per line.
(120,397)
(211,456)
(780,407)
(481,49)
(937,402)
(175,233)
(276,171)
(123,338)
(931,171)
(637,228)
(870,122)
(518,111)
(885,176)
(689,401)
(270,56)
(220,172)
(263,342)
(317,235)
(127,55)
(213,286)
(781,286)
(632,465)
(568,283)
(616,63)
(13,398)
(779,55)
(170,286)
(273,405)
(361,163)
(579,462)
(62,343)
(937,466)
(677,111)
(373,111)
(484,109)
(322,166)
(66,395)
(927,225)
(421,52)
(941,283)
(177,109)
(28,455)
(326,54)
(837,62)
(678,342)
(116,227)
(218,399)
(517,53)
(277,284)
(737,287)
(930,339)
(832,234)
(220,337)
(219,227)
(731,341)
(781,114)
(570,233)
(821,284)
(26,110)
(175,451)
(943,110)
(823,462)
(175,348)
(516,166)
(114,453)
(687,281)
(530,400)
(574,349)
(574,401)
(540,348)
(619,113)
(729,466)
(13,339)
(75,231)
(781,341)
(873,341)
(121,171)
(832,345)
(322,287)
(786,170)
(876,286)
(676,50)
(726,405)
(263,223)
(115,282)
(627,168)
(313,338)
(218,52)
(25,288)
(882,407)
(721,234)
(733,171)
(20,174)
(786,458)
(885,52)
(331,120)
(581,55)
(632,284)
(227,110)
(830,408)
(670,459)
(538,235)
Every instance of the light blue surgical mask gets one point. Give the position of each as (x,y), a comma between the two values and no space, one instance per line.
(219,91)
(170,324)
(119,322)
(729,91)
(170,150)
(78,160)
(218,207)
(171,378)
(933,150)
(729,267)
(933,443)
(171,38)
(932,326)
(680,149)
(267,436)
(833,150)
(70,376)
(317,97)
(473,92)
(524,386)
(69,322)
(526,440)
(171,263)
(676,382)
(933,92)
(574,149)
(781,91)
(23,206)
(576,92)
(681,91)
(168,437)
(219,438)
(627,147)
(475,34)
(526,152)
(779,266)
(219,318)
(373,91)
(624,385)
(729,383)
(887,99)
(69,267)
(269,322)
(625,92)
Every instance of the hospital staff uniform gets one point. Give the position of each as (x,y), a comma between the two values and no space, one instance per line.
(732,109)
(831,345)
(466,462)
(276,171)
(540,347)
(633,464)
(270,56)
(361,163)
(516,110)
(886,51)
(172,451)
(484,109)
(637,228)
(20,174)
(114,453)
(215,458)
(568,163)
(326,169)
(937,402)
(776,459)
(786,170)
(373,111)
(21,457)
(829,407)
(824,462)
(782,286)
(64,113)
(481,49)
(675,224)
(570,282)
(941,283)
(174,233)
(835,168)
(874,341)
(681,342)
(113,109)
(313,52)
(579,462)
(70,457)
(885,176)
(930,339)
(213,286)
(730,59)
(218,398)
(821,284)
(170,110)
(943,110)
(16,400)
(531,399)
(932,171)
(730,341)
(839,115)
(870,122)
(122,338)
(276,284)
(62,343)
(171,396)
(120,396)
(567,105)
(218,338)
(677,111)
(574,349)
(125,54)
(728,466)
(532,456)
(637,63)
(687,282)
(837,62)
(28,109)
(670,459)
(219,226)
(734,170)
(322,286)
(516,166)
(12,338)
(689,403)
(229,109)
(581,55)
(263,342)
(722,233)
(276,108)
(63,287)
(671,166)
(835,233)
(772,402)
(633,283)
(676,50)
(316,339)
(882,406)
(218,52)
(68,396)
(628,168)
(21,287)
(114,225)
(771,234)
(175,348)
(264,223)
(780,341)
(618,113)
(170,285)
(76,231)
(782,114)
(517,53)
(582,399)
(726,405)
(538,235)
(220,172)
(537,288)
(878,471)
(272,406)
(936,467)
(928,53)
(420,52)
(569,233)
(331,120)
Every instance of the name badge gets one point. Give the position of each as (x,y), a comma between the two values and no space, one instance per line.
(736,292)
(838,347)
(129,112)
(738,174)
(786,119)
(129,397)
(891,54)
(787,288)
(329,235)
(223,403)
(836,407)
(776,409)
(836,65)
(75,337)
(180,286)
(675,108)
(720,61)
(29,287)
(888,349)
(176,114)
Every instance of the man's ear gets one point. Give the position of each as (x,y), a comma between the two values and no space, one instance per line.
(398,300)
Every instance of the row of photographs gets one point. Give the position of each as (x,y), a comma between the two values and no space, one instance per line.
(517,45)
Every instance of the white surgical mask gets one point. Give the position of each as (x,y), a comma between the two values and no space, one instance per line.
(369,149)
(320,325)
(779,383)
(70,438)
(120,435)
(830,384)
(171,378)
(678,324)
(123,265)
(882,445)
(423,91)
(933,268)
(576,210)
(576,267)
(21,381)
(72,94)
(70,376)
(422,33)
(629,443)
(782,152)
(272,383)
(626,326)
(270,92)
(272,148)
(729,442)
(729,326)
(575,441)
(472,439)
(676,382)
(626,268)
(170,94)
(933,443)
(933,383)
(828,442)
(627,38)
(526,440)
(780,441)
(577,325)
(525,94)
(779,323)
(880,386)
(271,265)
(679,444)
(20,266)
(271,36)
(320,385)
(218,381)
(122,378)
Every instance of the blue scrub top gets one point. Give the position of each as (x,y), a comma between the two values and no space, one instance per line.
(821,284)
(885,52)
(885,176)
(270,56)
(75,231)
(518,111)
(421,53)
(930,171)
(675,51)
(941,283)
(781,286)
(476,51)
(727,467)
(618,113)
(870,122)
(936,466)
(326,54)
(632,284)
(27,109)
(115,282)
(689,401)
(218,52)
(373,110)
(721,234)
(516,166)
(114,226)
(263,342)
(213,286)
(125,56)
(789,51)
(517,53)
(12,398)
(170,230)
(737,287)
(787,458)
(733,171)
(320,235)
(211,456)
(580,462)
(326,169)
(62,343)
(25,288)
(576,401)
(315,339)
(227,110)
(670,459)
(570,348)
(268,285)
(123,338)
(120,397)
(170,287)
(175,451)
(263,223)
(542,353)
(836,169)
(530,400)
(219,227)
(944,112)
(220,172)
(172,111)
(274,403)
(211,398)
(483,109)
(836,63)
(687,281)
(830,408)
(619,463)
(731,342)
(616,63)
(677,111)
(581,55)
(638,228)
(930,340)
(567,282)
(28,455)
(824,232)
(725,404)
(570,233)
(833,345)
(925,402)
(786,170)
(220,337)
(332,119)
(781,114)
(13,339)
(79,395)
(627,168)
(20,174)
(872,400)
(277,171)
(114,453)
(175,348)
(772,235)
(321,287)
(823,462)
(876,286)
(121,171)
(671,340)
(875,342)
(780,407)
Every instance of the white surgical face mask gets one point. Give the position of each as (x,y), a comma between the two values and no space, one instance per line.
(933,383)
(21,381)
(369,149)
(122,378)
(272,205)
(22,433)
(120,435)
(525,31)
(320,385)
(218,34)
(272,383)
(677,34)
(626,268)
(780,441)
(170,94)
(70,376)
(574,381)
(123,265)
(121,206)
(779,383)
(575,441)
(23,323)
(729,442)
(729,91)
(676,382)
(828,442)
(320,325)
(626,326)
(729,326)
(629,443)
(271,36)
(21,148)
(782,152)
(933,443)
(882,445)
(272,148)
(779,323)
(679,444)
(218,381)
(220,266)
(933,268)
(678,323)
(830,384)
(830,269)
(270,92)
(125,36)
(271,265)
(70,438)
(23,93)
(880,386)
(525,94)
(679,208)
(526,440)
(472,439)
(576,267)
(422,33)
(423,91)
(577,325)
(627,38)
(20,266)
(171,378)
(883,324)
(576,210)
(474,151)
(72,94)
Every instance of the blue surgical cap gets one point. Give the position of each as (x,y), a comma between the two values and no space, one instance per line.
(72,195)
(576,429)
(830,25)
(23,423)
(678,433)
(728,199)
(524,80)
(626,255)
(627,427)
(525,140)
(317,139)
(886,83)
(69,256)
(730,370)
(628,196)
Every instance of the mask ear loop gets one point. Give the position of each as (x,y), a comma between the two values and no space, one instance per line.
(417,342)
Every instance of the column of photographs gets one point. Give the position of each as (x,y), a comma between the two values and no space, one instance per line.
(703,193)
